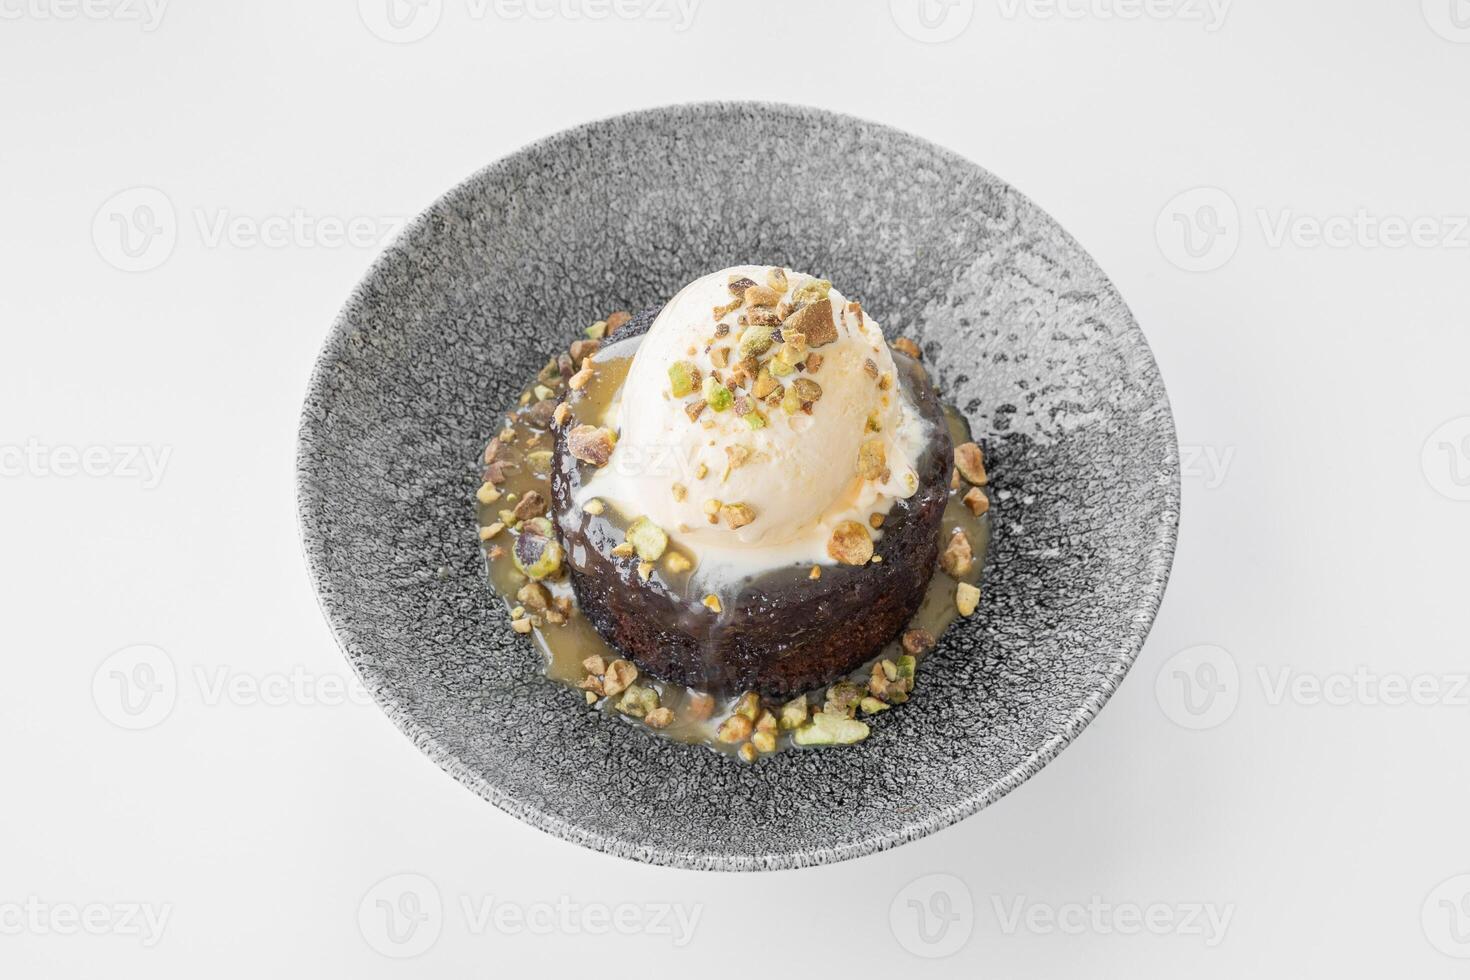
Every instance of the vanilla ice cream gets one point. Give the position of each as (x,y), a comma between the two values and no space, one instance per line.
(761,410)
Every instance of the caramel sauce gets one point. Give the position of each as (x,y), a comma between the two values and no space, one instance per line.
(526,460)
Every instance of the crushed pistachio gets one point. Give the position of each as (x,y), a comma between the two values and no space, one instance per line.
(617,319)
(875,521)
(487,494)
(872,459)
(764,383)
(970,461)
(677,563)
(807,390)
(737,515)
(694,409)
(812,291)
(595,664)
(748,753)
(638,701)
(871,706)
(908,347)
(542,393)
(764,742)
(776,279)
(813,363)
(659,718)
(850,543)
(647,538)
(680,491)
(712,603)
(701,471)
(583,349)
(790,401)
(736,728)
(491,451)
(537,553)
(917,641)
(720,312)
(977,501)
(491,530)
(870,368)
(814,322)
(958,558)
(560,415)
(755,418)
(529,506)
(594,507)
(885,382)
(535,596)
(815,573)
(591,698)
(756,340)
(794,714)
(830,729)
(684,378)
(875,422)
(739,284)
(748,705)
(717,396)
(645,570)
(597,331)
(591,444)
(720,357)
(842,699)
(761,296)
(966,598)
(623,550)
(618,676)
(579,380)
(521,625)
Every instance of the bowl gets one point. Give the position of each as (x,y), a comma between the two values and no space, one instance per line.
(1019,328)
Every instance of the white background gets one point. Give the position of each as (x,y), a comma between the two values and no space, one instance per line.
(1323,529)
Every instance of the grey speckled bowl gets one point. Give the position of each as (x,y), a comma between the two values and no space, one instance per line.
(1020,329)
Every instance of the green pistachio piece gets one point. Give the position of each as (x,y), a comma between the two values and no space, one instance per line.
(537,553)
(871,706)
(811,291)
(791,401)
(683,378)
(754,419)
(781,365)
(794,713)
(539,461)
(717,396)
(749,705)
(906,666)
(648,539)
(597,331)
(638,701)
(829,729)
(756,341)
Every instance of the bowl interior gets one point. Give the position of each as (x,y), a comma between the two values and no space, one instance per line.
(1019,329)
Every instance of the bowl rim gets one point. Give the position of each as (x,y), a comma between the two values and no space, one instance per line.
(1158,556)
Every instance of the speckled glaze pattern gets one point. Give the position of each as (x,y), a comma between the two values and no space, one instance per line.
(1019,328)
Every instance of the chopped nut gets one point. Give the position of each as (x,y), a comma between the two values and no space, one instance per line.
(583,349)
(594,507)
(815,573)
(766,722)
(720,357)
(761,296)
(694,408)
(491,451)
(739,284)
(591,698)
(875,521)
(701,471)
(748,705)
(680,491)
(542,393)
(954,478)
(535,596)
(712,510)
(491,530)
(850,543)
(529,506)
(487,494)
(497,552)
(537,553)
(597,331)
(618,676)
(908,347)
(595,664)
(755,419)
(579,380)
(736,728)
(638,701)
(562,411)
(813,363)
(815,322)
(700,706)
(764,383)
(870,368)
(971,463)
(677,563)
(874,423)
(737,515)
(756,340)
(722,330)
(872,459)
(794,714)
(830,729)
(812,290)
(712,603)
(776,279)
(591,444)
(917,641)
(684,378)
(842,698)
(617,319)
(807,390)
(659,718)
(958,558)
(718,397)
(885,382)
(720,312)
(645,570)
(878,680)
(966,598)
(623,550)
(977,501)
(521,625)
(748,753)
(735,457)
(762,742)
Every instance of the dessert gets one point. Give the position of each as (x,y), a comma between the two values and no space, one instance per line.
(731,501)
